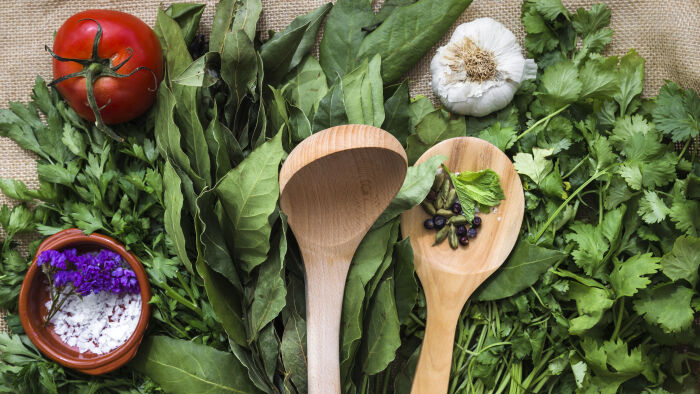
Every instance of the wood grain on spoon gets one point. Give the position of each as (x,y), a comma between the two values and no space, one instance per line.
(333,186)
(450,276)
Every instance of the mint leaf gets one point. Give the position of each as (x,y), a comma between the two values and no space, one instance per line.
(683,261)
(476,187)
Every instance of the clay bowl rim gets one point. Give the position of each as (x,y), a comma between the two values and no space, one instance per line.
(111,360)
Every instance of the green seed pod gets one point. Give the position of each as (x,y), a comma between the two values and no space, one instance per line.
(452,237)
(445,212)
(428,207)
(437,183)
(451,198)
(458,220)
(441,235)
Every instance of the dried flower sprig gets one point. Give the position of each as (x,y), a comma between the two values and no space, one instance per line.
(70,273)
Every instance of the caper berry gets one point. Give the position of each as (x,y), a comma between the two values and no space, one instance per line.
(461,230)
(476,222)
(439,221)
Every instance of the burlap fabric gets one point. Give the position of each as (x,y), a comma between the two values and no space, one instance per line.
(665,33)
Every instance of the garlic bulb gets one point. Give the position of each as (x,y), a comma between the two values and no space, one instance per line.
(480,69)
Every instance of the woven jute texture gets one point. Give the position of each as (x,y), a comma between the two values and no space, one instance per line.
(665,33)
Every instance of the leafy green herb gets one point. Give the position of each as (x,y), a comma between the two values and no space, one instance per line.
(476,187)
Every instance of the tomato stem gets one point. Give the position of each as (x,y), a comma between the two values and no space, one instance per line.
(92,102)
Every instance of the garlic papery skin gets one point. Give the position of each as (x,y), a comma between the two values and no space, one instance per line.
(480,68)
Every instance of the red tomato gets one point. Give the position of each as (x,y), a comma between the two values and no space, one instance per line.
(124,38)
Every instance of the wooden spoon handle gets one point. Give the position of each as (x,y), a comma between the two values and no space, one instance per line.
(433,370)
(325,284)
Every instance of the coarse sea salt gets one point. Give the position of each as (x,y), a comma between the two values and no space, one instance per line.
(98,323)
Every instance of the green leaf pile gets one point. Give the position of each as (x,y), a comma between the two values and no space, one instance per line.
(598,296)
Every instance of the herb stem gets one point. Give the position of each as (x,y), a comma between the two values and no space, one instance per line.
(563,205)
(600,203)
(174,294)
(186,287)
(685,147)
(417,319)
(579,164)
(618,320)
(541,121)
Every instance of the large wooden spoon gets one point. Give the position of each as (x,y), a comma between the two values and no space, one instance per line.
(333,186)
(450,276)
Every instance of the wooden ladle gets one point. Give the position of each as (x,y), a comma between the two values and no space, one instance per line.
(333,186)
(450,276)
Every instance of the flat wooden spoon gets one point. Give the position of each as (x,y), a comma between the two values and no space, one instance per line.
(450,276)
(333,186)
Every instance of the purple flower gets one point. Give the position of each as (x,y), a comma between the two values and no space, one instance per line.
(62,278)
(55,259)
(89,272)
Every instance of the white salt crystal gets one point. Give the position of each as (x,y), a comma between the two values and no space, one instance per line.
(499,218)
(86,324)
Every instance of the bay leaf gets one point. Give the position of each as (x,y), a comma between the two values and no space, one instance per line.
(396,120)
(286,49)
(363,94)
(406,288)
(269,296)
(249,196)
(522,269)
(331,110)
(173,213)
(233,15)
(382,338)
(408,33)
(419,179)
(186,15)
(293,350)
(239,65)
(180,366)
(343,35)
(306,86)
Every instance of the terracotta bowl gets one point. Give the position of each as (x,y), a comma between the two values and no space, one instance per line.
(34,295)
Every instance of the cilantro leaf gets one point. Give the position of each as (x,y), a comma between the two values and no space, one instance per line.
(591,302)
(535,164)
(629,276)
(666,306)
(561,83)
(540,37)
(550,9)
(592,246)
(685,215)
(677,112)
(588,21)
(599,78)
(502,137)
(625,364)
(652,208)
(631,79)
(683,261)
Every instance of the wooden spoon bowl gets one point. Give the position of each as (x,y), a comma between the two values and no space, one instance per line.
(333,186)
(450,276)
